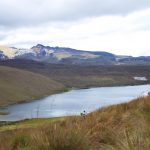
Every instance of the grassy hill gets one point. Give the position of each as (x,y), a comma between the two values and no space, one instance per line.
(119,127)
(25,80)
(84,76)
(18,85)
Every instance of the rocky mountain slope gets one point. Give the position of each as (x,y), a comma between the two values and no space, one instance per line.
(69,56)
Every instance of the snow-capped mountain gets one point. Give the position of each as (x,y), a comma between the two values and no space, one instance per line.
(68,55)
(12,52)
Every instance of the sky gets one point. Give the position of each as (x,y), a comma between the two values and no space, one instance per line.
(119,27)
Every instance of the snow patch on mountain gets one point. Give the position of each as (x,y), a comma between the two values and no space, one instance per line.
(20,52)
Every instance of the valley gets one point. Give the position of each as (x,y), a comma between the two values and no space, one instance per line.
(74,75)
(25,80)
(73,102)
(84,76)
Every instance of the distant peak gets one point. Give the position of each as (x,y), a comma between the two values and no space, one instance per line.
(39,45)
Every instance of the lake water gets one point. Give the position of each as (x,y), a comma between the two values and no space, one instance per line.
(73,102)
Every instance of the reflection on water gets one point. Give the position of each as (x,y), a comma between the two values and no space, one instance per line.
(73,102)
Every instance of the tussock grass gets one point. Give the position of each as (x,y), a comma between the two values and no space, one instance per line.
(119,127)
(28,123)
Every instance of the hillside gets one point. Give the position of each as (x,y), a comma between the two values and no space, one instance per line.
(119,127)
(84,76)
(18,85)
(25,80)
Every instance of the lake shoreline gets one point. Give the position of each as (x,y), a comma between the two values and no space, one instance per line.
(74,102)
(67,90)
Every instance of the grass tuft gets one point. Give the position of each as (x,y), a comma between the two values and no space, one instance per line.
(119,127)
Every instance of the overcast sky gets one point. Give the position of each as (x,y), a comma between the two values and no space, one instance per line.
(120,27)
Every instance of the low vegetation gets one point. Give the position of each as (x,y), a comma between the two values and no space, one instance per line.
(28,123)
(26,80)
(84,76)
(18,85)
(118,127)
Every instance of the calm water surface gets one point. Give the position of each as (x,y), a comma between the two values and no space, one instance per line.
(73,102)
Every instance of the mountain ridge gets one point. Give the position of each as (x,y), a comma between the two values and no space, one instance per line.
(69,55)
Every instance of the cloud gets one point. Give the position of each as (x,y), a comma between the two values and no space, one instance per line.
(120,27)
(33,12)
(126,35)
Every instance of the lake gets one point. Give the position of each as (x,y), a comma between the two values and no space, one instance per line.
(73,102)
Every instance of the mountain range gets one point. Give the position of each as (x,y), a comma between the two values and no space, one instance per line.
(69,56)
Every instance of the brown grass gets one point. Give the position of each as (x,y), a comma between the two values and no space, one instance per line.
(84,76)
(119,127)
(33,80)
(19,85)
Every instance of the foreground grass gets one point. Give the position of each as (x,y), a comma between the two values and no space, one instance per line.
(119,127)
(31,123)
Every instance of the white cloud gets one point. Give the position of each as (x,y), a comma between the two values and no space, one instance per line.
(32,12)
(125,31)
